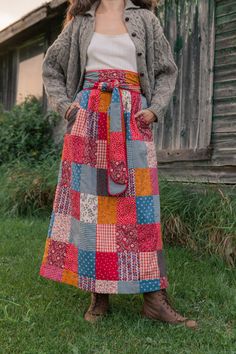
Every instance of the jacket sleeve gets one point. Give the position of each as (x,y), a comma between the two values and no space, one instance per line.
(165,71)
(54,69)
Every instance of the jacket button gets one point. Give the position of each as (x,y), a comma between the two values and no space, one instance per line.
(127,19)
(139,53)
(133,34)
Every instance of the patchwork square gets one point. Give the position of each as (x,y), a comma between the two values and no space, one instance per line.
(149,237)
(74,148)
(107,210)
(128,265)
(126,210)
(86,261)
(102,181)
(128,287)
(88,179)
(150,285)
(61,228)
(62,201)
(71,260)
(145,210)
(83,235)
(64,177)
(88,208)
(102,126)
(92,126)
(136,154)
(76,176)
(149,268)
(57,254)
(106,286)
(90,152)
(70,277)
(106,238)
(154,180)
(80,125)
(151,154)
(101,154)
(75,204)
(86,283)
(156,205)
(106,266)
(127,238)
(143,182)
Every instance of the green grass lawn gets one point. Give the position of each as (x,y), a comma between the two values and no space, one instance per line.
(45,317)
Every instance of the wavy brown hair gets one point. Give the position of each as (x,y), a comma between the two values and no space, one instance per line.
(78,7)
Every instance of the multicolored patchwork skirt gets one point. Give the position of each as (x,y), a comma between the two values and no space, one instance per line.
(105,232)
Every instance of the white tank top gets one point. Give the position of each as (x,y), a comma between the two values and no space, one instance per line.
(108,51)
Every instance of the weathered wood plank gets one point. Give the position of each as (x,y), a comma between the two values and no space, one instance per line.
(182,155)
(225,89)
(224,124)
(197,173)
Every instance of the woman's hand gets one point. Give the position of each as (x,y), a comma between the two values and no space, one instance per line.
(149,116)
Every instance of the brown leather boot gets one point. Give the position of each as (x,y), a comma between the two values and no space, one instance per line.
(157,307)
(98,307)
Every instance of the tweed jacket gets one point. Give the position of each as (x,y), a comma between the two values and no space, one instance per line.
(64,63)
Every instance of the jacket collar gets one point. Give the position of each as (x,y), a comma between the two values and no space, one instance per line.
(128,5)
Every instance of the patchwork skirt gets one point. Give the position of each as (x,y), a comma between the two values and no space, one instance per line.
(104,233)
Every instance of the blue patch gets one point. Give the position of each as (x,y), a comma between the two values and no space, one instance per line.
(145,210)
(88,179)
(128,287)
(76,175)
(156,203)
(137,154)
(86,263)
(149,285)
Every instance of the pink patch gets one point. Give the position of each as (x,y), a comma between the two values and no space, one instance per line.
(75,204)
(73,148)
(102,126)
(106,266)
(57,254)
(149,237)
(126,210)
(71,261)
(51,272)
(154,180)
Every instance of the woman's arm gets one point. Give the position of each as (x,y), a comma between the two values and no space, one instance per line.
(165,71)
(54,69)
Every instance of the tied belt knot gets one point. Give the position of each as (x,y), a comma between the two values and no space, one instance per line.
(117,165)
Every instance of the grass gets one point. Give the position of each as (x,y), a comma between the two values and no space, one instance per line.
(40,316)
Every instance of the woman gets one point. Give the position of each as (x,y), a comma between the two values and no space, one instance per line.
(110,74)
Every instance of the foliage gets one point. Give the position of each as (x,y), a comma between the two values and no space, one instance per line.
(26,133)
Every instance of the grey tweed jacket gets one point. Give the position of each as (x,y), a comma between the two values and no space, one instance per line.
(64,63)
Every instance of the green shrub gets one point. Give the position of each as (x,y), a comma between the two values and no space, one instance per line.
(28,189)
(26,133)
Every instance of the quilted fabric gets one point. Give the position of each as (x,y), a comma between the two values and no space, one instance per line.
(104,233)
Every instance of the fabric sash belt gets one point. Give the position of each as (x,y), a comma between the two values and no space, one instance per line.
(117,165)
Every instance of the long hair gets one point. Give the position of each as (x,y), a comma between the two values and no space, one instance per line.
(78,7)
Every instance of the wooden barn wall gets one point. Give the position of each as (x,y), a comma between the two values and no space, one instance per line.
(186,131)
(224,111)
(197,140)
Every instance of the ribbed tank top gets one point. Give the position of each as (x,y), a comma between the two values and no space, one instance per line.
(108,51)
